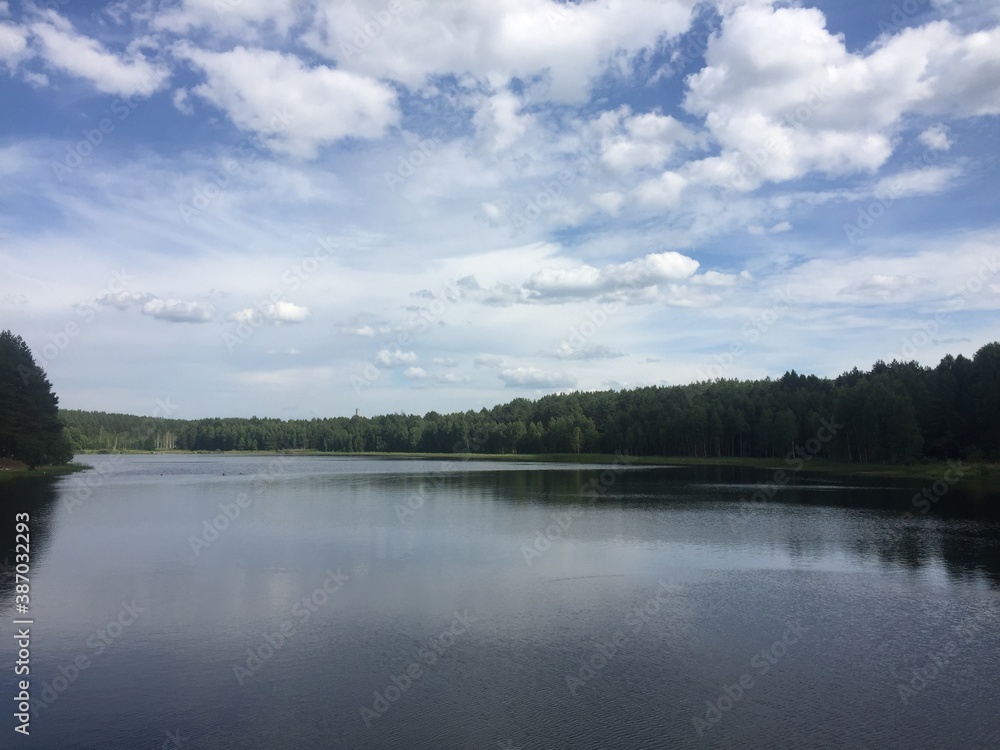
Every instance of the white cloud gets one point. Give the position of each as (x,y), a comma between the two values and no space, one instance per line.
(491,211)
(930,277)
(645,140)
(886,286)
(758,230)
(182,101)
(172,310)
(663,191)
(123,300)
(961,72)
(285,312)
(936,138)
(38,80)
(499,120)
(565,45)
(531,377)
(13,44)
(361,331)
(600,351)
(610,201)
(272,312)
(66,50)
(928,181)
(364,325)
(244,18)
(293,108)
(395,358)
(415,373)
(628,192)
(783,97)
(584,281)
(679,295)
(177,311)
(714,278)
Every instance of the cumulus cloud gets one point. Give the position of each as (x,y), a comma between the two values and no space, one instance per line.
(395,358)
(936,138)
(531,377)
(177,311)
(123,300)
(663,191)
(584,281)
(561,46)
(292,107)
(783,96)
(500,122)
(64,49)
(364,325)
(961,71)
(635,141)
(172,310)
(272,312)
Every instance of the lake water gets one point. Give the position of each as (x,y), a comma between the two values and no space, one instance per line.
(256,602)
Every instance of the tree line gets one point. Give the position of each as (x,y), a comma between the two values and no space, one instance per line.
(30,428)
(900,412)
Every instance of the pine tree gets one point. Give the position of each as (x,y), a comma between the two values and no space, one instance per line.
(30,429)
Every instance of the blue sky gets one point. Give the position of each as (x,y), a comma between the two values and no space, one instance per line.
(298,208)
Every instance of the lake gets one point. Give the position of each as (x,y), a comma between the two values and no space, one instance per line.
(326,602)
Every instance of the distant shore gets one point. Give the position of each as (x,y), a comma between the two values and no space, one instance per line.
(989,472)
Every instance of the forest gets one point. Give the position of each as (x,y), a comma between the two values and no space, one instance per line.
(895,413)
(30,428)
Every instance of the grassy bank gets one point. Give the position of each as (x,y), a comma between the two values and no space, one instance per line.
(10,469)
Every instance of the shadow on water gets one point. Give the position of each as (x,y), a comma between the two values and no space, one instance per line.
(36,497)
(878,519)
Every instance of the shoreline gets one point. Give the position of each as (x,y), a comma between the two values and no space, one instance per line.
(932,470)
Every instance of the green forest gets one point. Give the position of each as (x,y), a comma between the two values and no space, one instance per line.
(30,428)
(896,413)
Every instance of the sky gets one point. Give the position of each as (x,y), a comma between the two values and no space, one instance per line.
(304,208)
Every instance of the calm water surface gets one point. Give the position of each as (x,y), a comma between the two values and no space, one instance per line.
(251,602)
